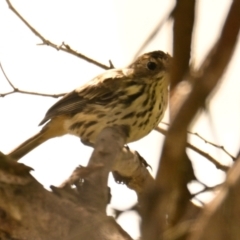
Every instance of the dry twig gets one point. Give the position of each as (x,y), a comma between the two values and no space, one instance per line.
(63,47)
(17,90)
(199,151)
(153,34)
(214,145)
(202,138)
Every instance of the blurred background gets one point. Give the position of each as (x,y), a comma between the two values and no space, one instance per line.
(106,30)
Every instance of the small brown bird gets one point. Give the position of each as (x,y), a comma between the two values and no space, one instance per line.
(134,97)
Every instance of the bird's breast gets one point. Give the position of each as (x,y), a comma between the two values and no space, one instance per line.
(139,110)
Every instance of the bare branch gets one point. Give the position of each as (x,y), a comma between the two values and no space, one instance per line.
(170,194)
(208,157)
(63,47)
(32,93)
(17,90)
(182,34)
(206,189)
(153,33)
(202,138)
(214,145)
(5,75)
(24,203)
(199,151)
(219,219)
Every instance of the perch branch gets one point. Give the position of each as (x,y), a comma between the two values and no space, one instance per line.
(24,203)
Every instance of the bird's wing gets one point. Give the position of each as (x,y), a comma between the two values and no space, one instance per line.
(100,90)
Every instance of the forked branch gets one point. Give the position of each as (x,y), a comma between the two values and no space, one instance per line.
(17,90)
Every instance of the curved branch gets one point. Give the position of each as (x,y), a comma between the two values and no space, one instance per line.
(63,47)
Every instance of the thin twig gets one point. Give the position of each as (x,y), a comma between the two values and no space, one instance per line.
(17,90)
(5,75)
(210,158)
(206,189)
(208,142)
(202,153)
(214,145)
(32,93)
(63,47)
(153,33)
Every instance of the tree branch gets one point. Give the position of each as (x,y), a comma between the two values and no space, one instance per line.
(153,34)
(199,151)
(182,38)
(204,139)
(17,90)
(62,47)
(24,202)
(214,145)
(170,195)
(220,218)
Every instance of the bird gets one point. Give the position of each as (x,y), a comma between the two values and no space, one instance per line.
(134,98)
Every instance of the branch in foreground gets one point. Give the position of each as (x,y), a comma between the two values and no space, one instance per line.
(75,212)
(24,203)
(220,219)
(182,38)
(207,189)
(17,90)
(63,47)
(169,194)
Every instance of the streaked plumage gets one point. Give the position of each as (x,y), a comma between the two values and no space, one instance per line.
(134,97)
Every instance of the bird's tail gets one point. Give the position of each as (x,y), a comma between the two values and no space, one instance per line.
(28,146)
(51,130)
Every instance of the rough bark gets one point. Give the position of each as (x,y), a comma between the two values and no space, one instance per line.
(28,211)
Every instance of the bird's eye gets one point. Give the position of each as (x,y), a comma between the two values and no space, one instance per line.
(151,65)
